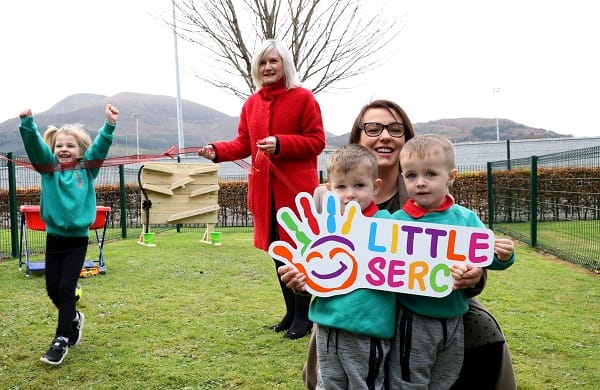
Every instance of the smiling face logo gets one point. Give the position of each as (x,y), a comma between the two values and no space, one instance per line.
(330,264)
(323,251)
(338,250)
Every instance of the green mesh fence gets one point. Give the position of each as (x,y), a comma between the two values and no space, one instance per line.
(551,202)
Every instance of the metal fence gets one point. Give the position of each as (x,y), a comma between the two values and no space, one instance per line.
(474,156)
(116,187)
(551,202)
(470,156)
(512,198)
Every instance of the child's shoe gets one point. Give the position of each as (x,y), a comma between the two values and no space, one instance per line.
(57,351)
(76,330)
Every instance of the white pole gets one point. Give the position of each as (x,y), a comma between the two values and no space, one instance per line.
(137,133)
(497,130)
(497,90)
(180,139)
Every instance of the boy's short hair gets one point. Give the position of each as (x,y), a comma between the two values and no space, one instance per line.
(349,157)
(425,145)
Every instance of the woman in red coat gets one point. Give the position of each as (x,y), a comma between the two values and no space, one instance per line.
(282,129)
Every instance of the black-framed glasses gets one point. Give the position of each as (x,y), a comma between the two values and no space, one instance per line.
(374,129)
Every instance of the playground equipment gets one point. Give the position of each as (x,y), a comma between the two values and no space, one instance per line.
(32,220)
(178,194)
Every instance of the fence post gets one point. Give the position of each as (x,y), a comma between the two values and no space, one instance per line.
(509,200)
(533,200)
(490,197)
(13,207)
(123,201)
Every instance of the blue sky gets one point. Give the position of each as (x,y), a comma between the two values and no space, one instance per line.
(542,56)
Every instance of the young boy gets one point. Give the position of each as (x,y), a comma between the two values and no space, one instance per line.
(354,330)
(427,350)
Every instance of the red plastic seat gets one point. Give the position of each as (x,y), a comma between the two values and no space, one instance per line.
(31,219)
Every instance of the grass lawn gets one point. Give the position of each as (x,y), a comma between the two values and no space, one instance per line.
(187,315)
(579,240)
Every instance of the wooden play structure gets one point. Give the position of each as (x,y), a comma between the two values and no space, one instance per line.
(178,194)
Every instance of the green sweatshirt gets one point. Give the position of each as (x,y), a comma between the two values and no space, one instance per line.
(455,304)
(68,199)
(364,311)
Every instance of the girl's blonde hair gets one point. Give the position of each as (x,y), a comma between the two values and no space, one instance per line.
(76,130)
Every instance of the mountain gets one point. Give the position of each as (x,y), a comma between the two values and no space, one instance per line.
(156,125)
(480,129)
(155,130)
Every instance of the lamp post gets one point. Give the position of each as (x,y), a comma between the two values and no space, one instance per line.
(137,133)
(497,90)
(180,137)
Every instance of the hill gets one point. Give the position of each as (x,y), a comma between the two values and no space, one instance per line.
(480,129)
(156,127)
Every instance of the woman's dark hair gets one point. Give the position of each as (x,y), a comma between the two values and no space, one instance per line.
(395,110)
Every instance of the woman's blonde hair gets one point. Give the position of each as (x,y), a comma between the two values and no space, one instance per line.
(76,130)
(289,70)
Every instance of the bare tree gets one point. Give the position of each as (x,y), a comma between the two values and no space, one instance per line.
(330,40)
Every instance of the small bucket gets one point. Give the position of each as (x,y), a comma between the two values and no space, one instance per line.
(148,238)
(215,238)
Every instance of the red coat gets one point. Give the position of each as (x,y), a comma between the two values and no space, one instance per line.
(294,117)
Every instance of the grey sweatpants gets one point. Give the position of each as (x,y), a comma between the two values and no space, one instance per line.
(506,375)
(426,354)
(350,361)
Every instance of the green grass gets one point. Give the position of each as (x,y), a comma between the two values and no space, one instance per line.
(558,229)
(187,315)
(578,241)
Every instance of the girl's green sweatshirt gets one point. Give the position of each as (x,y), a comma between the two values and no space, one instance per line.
(68,198)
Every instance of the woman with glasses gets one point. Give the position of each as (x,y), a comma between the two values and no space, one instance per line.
(383,127)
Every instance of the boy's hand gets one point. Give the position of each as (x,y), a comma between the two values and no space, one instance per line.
(504,248)
(25,113)
(292,278)
(112,114)
(465,276)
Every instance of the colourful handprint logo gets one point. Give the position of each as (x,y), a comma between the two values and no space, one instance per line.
(341,250)
(324,253)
